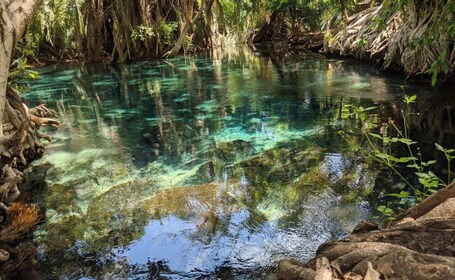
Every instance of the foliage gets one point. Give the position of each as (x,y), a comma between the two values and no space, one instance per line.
(383,145)
(165,29)
(313,15)
(57,24)
(436,26)
(137,27)
(19,67)
(142,33)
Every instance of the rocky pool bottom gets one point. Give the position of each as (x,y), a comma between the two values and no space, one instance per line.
(203,168)
(121,220)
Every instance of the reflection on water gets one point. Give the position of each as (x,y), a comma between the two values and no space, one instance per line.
(197,167)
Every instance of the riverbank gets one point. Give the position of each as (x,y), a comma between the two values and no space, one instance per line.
(407,41)
(418,244)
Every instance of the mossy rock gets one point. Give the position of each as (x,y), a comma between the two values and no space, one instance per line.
(63,234)
(61,198)
(355,186)
(275,202)
(233,150)
(182,202)
(120,199)
(312,181)
(277,165)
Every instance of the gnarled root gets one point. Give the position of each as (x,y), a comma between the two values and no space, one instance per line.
(18,136)
(42,111)
(40,116)
(44,121)
(417,246)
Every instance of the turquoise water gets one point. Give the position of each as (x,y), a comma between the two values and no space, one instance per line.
(202,168)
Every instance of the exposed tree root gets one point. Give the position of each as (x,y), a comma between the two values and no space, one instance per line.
(418,246)
(20,259)
(19,142)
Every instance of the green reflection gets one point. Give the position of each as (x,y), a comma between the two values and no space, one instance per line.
(238,143)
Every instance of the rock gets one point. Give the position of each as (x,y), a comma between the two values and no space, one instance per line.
(371,273)
(231,150)
(403,263)
(4,255)
(352,276)
(182,202)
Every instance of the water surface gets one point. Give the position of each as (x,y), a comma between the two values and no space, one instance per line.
(202,168)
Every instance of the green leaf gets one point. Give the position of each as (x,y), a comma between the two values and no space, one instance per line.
(369,108)
(423,175)
(439,147)
(402,194)
(407,141)
(383,156)
(406,159)
(434,77)
(376,135)
(410,99)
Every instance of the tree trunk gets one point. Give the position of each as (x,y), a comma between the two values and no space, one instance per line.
(14,19)
(6,49)
(189,21)
(19,137)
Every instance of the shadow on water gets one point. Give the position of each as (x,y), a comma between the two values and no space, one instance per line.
(206,167)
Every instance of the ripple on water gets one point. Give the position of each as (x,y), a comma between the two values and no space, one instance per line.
(165,173)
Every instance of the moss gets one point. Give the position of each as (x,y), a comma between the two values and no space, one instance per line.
(61,198)
(120,199)
(61,235)
(281,199)
(183,201)
(356,184)
(313,180)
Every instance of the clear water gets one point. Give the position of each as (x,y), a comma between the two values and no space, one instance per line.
(202,168)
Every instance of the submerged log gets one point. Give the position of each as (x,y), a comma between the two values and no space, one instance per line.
(418,245)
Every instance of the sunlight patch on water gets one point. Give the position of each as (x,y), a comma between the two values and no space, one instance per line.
(186,169)
(185,249)
(262,139)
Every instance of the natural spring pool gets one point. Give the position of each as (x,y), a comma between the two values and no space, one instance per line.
(203,168)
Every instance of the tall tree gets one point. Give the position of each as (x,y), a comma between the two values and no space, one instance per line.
(186,22)
(19,137)
(15,15)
